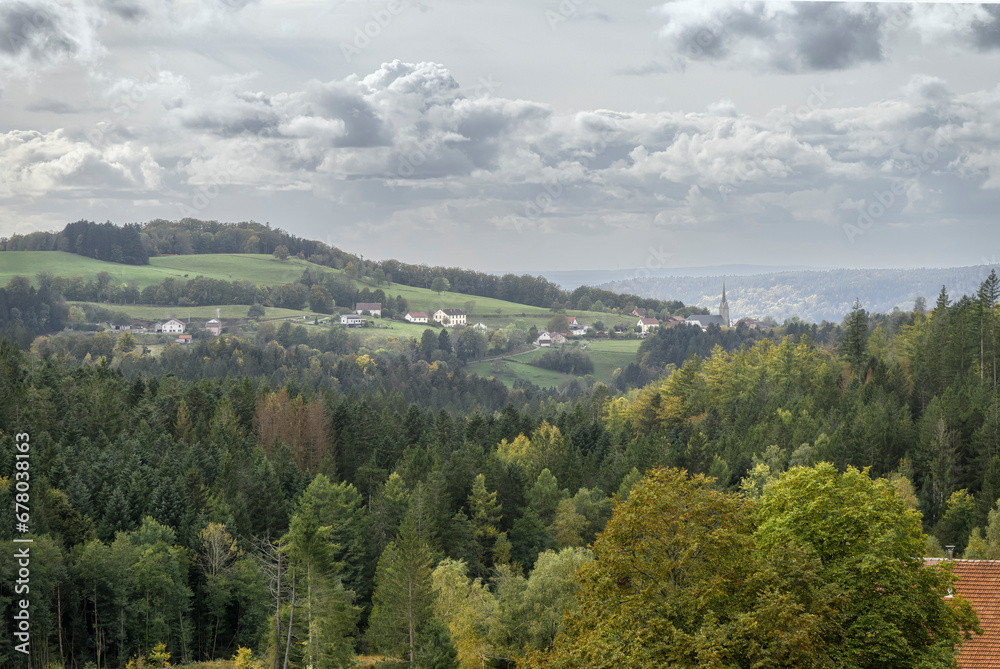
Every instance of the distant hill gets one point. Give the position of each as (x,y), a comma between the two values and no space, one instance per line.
(812,295)
(572,279)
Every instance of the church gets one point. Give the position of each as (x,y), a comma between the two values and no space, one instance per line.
(722,320)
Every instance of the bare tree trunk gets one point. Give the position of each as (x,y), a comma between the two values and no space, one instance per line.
(409,614)
(291,616)
(277,618)
(62,655)
(97,635)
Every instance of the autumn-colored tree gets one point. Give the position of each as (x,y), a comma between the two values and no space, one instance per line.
(300,424)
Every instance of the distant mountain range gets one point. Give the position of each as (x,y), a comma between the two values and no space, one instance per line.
(571,279)
(811,294)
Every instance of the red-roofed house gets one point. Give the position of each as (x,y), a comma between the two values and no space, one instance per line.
(374,308)
(979,584)
(646,323)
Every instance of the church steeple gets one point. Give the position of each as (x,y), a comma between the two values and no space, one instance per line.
(724,306)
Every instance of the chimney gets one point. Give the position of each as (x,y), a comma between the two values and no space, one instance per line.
(951,552)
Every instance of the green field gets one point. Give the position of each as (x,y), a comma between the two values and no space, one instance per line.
(265,270)
(607,355)
(258,268)
(226,311)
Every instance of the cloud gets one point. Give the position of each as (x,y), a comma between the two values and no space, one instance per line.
(40,33)
(404,145)
(791,37)
(129,10)
(986,30)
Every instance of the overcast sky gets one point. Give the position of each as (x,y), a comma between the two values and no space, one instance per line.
(520,134)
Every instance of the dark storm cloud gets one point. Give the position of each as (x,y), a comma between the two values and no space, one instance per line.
(363,127)
(986,33)
(36,32)
(805,36)
(233,114)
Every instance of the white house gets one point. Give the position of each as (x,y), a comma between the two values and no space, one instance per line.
(374,308)
(352,321)
(546,338)
(449,317)
(214,326)
(645,324)
(173,326)
(481,326)
(416,317)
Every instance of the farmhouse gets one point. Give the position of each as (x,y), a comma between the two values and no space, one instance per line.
(214,327)
(646,324)
(416,317)
(546,338)
(352,321)
(449,317)
(185,339)
(374,308)
(173,326)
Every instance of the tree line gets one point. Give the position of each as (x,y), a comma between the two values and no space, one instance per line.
(135,243)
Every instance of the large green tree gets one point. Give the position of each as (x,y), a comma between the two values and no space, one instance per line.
(889,609)
(403,603)
(824,570)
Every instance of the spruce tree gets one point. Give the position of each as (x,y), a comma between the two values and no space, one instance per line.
(403,602)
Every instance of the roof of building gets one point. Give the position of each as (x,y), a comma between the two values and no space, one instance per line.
(173,320)
(649,321)
(369,306)
(452,312)
(416,314)
(705,319)
(979,584)
(638,312)
(214,320)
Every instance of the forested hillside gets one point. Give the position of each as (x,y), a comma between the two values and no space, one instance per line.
(135,244)
(277,496)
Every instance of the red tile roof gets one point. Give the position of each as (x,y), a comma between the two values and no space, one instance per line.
(979,584)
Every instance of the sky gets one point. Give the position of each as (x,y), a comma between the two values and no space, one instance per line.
(516,135)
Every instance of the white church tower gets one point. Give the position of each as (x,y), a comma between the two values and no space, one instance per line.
(724,306)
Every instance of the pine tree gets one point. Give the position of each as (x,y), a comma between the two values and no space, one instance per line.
(855,344)
(989,292)
(404,597)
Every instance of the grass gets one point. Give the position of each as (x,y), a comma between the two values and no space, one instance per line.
(260,269)
(514,369)
(266,270)
(226,311)
(607,355)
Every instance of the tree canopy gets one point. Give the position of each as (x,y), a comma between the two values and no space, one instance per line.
(824,570)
